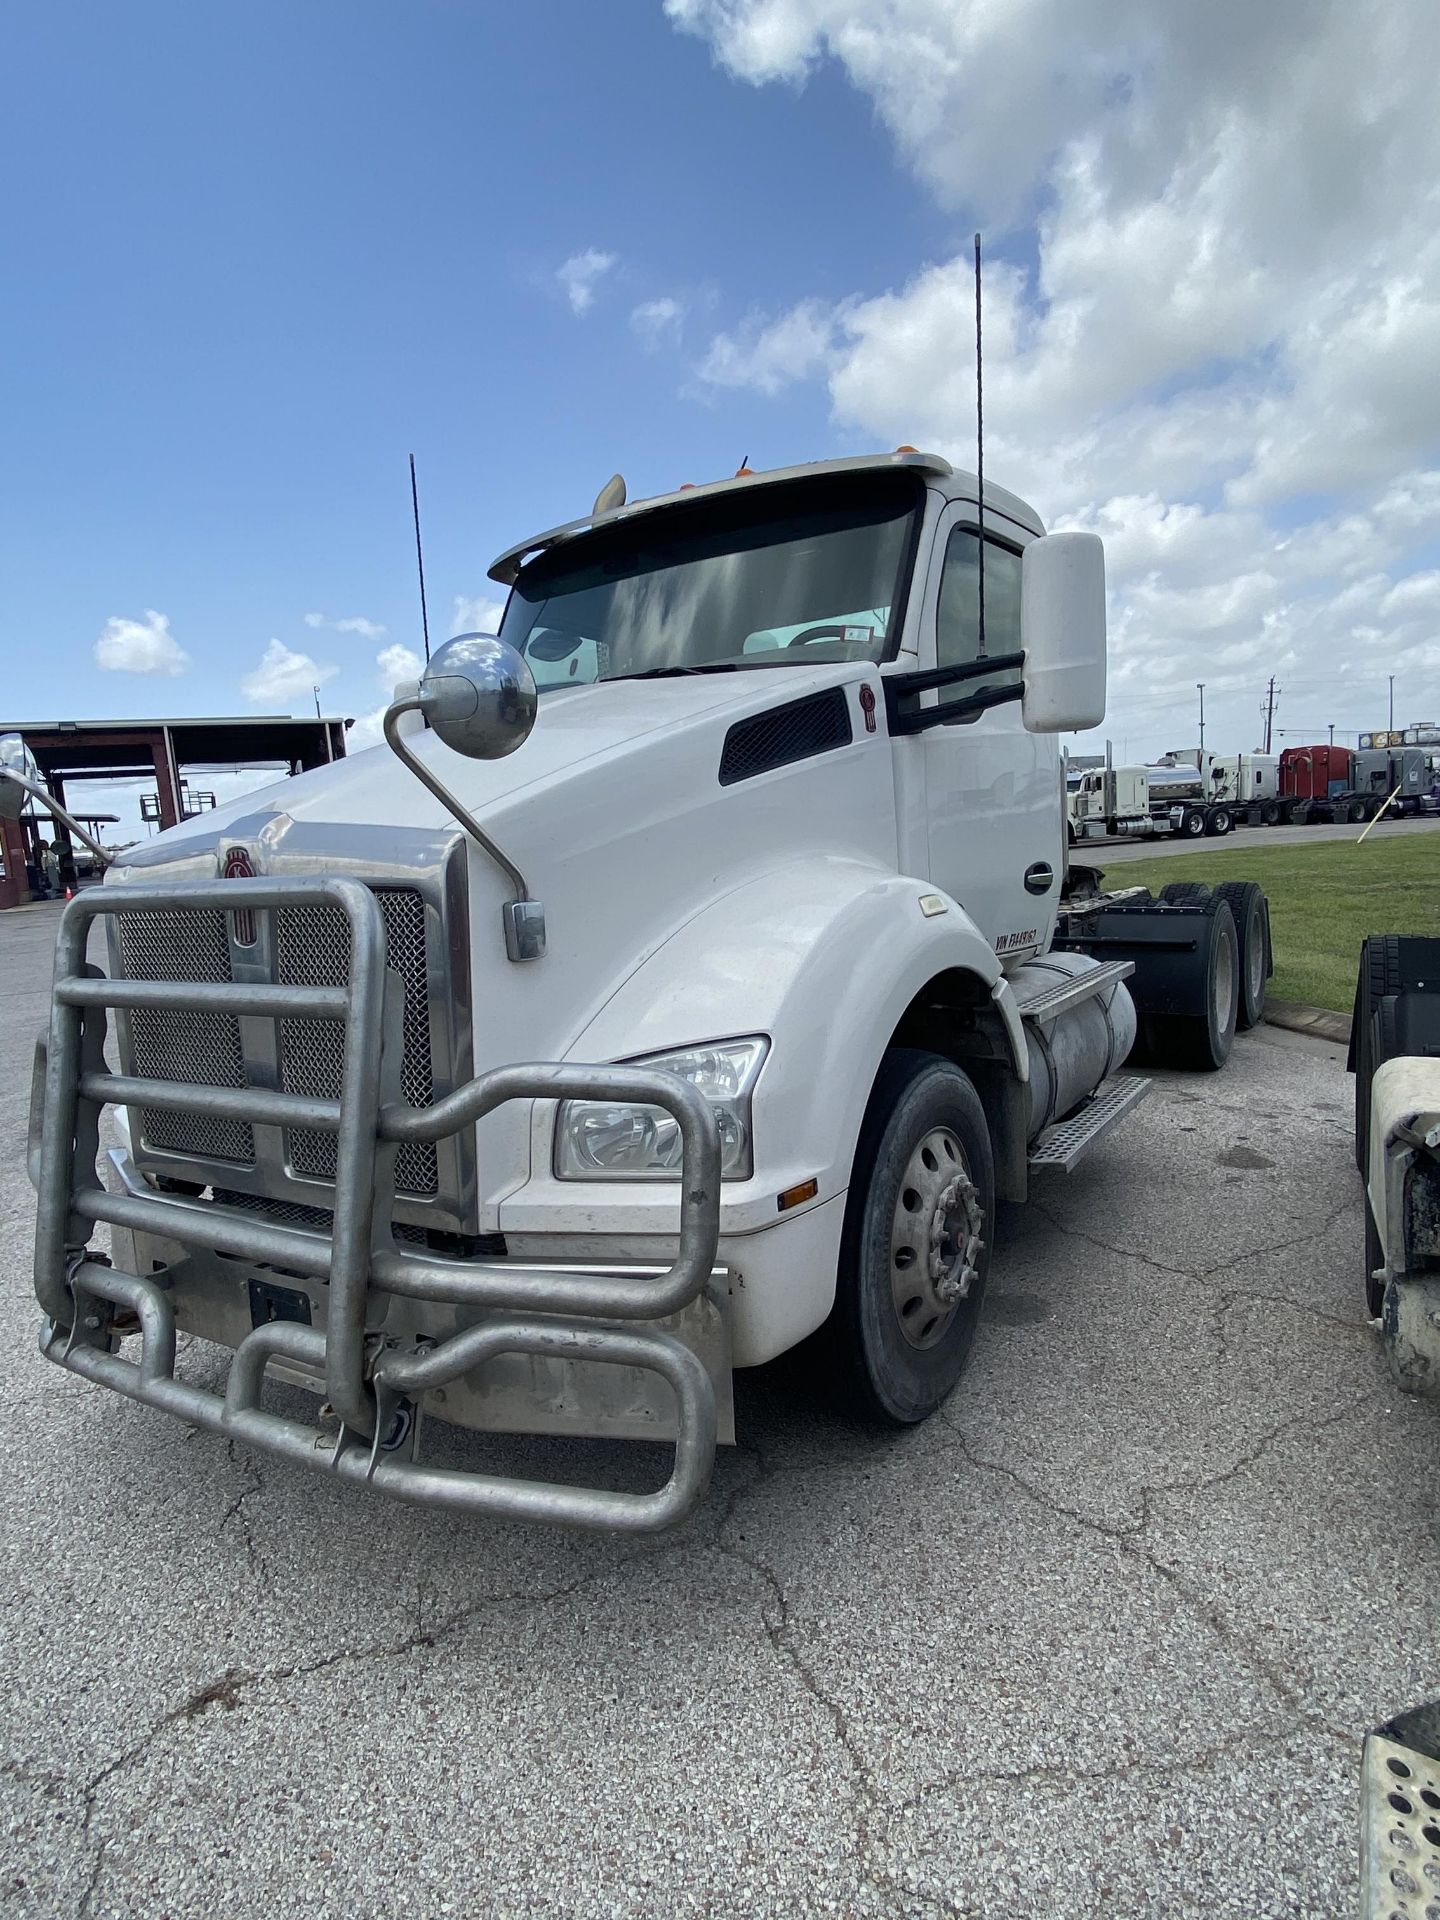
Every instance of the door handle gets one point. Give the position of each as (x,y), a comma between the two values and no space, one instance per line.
(1040,877)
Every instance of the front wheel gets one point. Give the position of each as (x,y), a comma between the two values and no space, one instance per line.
(915,1251)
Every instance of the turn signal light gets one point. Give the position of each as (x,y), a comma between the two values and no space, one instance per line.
(797,1196)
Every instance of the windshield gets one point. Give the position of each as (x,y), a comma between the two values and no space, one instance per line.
(781,576)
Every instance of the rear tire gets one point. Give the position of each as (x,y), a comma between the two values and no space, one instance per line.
(1184,893)
(1355,812)
(1192,824)
(1380,974)
(1219,821)
(1252,929)
(1270,814)
(1202,1041)
(915,1249)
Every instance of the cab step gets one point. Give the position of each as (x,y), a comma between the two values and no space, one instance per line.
(1399,1810)
(1070,992)
(1066,1143)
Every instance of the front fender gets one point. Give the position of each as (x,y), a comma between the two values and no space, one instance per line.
(823,956)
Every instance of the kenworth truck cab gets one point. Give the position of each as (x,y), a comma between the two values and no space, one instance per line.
(689,975)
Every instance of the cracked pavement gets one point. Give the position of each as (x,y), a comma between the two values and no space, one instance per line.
(1101,1639)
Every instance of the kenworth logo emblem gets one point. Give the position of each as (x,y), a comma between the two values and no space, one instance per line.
(238,866)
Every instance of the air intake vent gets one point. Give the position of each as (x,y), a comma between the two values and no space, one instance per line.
(797,731)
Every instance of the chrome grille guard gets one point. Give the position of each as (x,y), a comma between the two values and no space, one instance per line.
(527,1310)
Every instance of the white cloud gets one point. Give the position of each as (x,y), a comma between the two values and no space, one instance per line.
(284,676)
(367,629)
(580,275)
(479,614)
(1210,318)
(396,663)
(769,356)
(658,322)
(140,646)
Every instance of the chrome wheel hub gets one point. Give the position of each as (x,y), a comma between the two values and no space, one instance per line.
(935,1241)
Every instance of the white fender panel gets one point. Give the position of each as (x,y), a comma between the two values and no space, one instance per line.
(823,957)
(1405,1093)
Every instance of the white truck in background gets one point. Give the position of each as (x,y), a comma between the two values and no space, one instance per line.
(586,1043)
(1171,797)
(1249,783)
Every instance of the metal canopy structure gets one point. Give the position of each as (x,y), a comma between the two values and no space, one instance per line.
(162,750)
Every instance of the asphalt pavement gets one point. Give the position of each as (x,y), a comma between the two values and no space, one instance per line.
(1129,849)
(1102,1639)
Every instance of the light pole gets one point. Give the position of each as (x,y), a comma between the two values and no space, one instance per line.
(1200,688)
(1392,703)
(1332,733)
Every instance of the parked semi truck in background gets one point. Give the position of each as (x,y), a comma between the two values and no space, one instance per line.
(1146,801)
(1327,784)
(692,973)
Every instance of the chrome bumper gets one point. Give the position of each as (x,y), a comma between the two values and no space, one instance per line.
(373,1387)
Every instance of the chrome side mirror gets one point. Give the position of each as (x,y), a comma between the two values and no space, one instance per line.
(478,695)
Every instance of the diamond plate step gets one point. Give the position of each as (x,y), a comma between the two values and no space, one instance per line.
(1399,1831)
(1066,1143)
(1070,992)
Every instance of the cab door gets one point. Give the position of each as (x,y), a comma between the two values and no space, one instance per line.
(994,804)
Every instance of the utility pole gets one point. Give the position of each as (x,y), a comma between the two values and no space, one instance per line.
(1270,693)
(1392,703)
(1200,686)
(1332,733)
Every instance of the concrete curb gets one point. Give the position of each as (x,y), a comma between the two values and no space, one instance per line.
(1319,1022)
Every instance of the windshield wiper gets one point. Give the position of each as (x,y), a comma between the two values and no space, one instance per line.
(677,673)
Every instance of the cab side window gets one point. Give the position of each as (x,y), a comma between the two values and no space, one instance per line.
(957,613)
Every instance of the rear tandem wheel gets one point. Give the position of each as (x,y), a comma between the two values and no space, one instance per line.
(1203,1040)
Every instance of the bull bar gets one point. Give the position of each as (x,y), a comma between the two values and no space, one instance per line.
(519,1309)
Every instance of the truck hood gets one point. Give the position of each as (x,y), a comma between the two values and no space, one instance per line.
(574,725)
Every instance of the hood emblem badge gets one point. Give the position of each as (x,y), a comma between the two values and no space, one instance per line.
(238,865)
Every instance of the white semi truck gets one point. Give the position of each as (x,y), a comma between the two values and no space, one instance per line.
(691,974)
(1174,796)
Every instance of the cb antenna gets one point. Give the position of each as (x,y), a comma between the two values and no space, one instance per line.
(420,559)
(980,448)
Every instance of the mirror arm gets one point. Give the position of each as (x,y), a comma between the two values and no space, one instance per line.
(67,820)
(524,916)
(917,719)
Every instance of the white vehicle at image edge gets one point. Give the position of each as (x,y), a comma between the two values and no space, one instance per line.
(690,975)
(1395,1057)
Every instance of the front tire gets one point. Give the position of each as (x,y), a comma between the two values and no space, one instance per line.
(915,1251)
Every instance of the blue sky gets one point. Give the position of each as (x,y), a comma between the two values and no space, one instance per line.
(265,252)
(257,254)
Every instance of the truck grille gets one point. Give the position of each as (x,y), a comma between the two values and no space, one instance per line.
(202,1049)
(312,948)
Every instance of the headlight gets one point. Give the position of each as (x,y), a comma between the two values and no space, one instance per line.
(606,1140)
